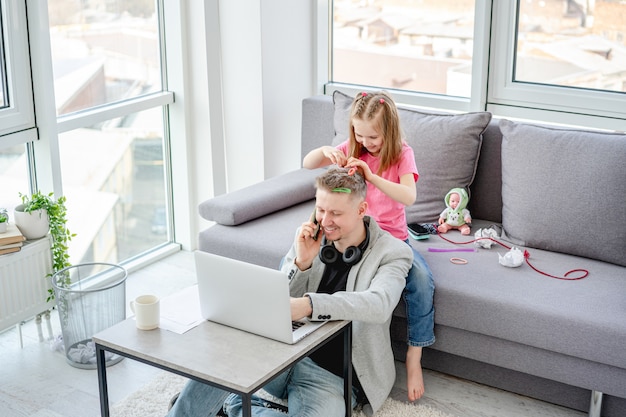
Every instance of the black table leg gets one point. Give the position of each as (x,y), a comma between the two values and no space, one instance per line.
(347,368)
(246,403)
(102,381)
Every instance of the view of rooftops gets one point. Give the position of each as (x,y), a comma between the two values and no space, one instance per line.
(427,45)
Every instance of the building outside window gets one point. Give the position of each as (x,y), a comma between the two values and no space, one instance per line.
(421,46)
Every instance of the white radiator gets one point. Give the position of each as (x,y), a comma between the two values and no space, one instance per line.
(23,282)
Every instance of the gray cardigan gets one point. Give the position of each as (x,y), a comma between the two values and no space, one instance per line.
(373,290)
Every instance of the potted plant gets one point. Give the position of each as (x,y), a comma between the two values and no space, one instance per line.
(43,206)
(4,219)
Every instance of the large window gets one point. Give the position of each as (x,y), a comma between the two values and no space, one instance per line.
(547,62)
(553,60)
(101,105)
(109,96)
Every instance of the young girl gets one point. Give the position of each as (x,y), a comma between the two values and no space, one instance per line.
(376,147)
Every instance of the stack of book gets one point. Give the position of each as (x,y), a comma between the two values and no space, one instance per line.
(11,240)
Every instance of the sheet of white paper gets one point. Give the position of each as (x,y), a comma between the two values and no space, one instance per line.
(180,312)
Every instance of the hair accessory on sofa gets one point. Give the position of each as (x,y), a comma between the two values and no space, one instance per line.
(342,190)
(584,273)
(458,261)
(451,250)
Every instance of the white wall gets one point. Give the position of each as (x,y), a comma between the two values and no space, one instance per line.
(268,67)
(244,69)
(288,50)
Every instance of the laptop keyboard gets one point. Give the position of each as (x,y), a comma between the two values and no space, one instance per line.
(295,325)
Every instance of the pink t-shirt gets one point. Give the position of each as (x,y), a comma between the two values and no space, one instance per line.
(389,213)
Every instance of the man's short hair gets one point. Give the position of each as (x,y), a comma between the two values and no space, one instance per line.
(343,180)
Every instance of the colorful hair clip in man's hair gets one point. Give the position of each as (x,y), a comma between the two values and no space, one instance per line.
(382,101)
(363,94)
(342,190)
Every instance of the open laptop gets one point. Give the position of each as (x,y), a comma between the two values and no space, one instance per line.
(248,297)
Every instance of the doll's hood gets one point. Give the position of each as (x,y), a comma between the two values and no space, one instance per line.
(463,197)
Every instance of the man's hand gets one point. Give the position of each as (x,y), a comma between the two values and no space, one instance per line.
(301,307)
(307,248)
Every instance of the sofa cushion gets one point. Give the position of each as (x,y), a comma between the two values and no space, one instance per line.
(564,190)
(260,199)
(446,149)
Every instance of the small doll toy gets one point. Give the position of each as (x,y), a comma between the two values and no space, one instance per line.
(455,215)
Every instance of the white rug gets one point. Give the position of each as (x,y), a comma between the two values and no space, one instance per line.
(153,399)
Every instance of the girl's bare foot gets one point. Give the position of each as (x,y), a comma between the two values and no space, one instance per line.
(414,375)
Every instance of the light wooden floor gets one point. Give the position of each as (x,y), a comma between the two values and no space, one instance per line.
(36,381)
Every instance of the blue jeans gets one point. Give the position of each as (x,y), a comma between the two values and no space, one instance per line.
(418,297)
(312,392)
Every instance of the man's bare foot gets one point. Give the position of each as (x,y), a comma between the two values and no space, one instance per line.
(414,376)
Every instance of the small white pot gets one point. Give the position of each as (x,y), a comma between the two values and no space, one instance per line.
(33,225)
(3,227)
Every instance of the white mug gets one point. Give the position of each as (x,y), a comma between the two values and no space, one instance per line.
(147,311)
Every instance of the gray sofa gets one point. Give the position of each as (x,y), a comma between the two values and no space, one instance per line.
(557,193)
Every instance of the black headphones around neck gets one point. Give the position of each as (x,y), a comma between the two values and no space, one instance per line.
(353,254)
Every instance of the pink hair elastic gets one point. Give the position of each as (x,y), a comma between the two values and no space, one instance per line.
(458,261)
(382,101)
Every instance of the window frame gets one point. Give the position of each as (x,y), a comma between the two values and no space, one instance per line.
(17,120)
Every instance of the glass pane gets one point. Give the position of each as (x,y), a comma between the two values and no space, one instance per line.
(423,46)
(13,177)
(103,51)
(574,43)
(114,181)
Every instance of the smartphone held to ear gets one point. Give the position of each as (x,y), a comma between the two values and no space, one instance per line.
(316,232)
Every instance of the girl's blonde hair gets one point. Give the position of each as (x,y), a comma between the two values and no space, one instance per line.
(380,108)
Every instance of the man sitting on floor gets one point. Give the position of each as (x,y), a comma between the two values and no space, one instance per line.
(352,271)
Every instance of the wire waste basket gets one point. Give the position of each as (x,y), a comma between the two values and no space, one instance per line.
(90,297)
